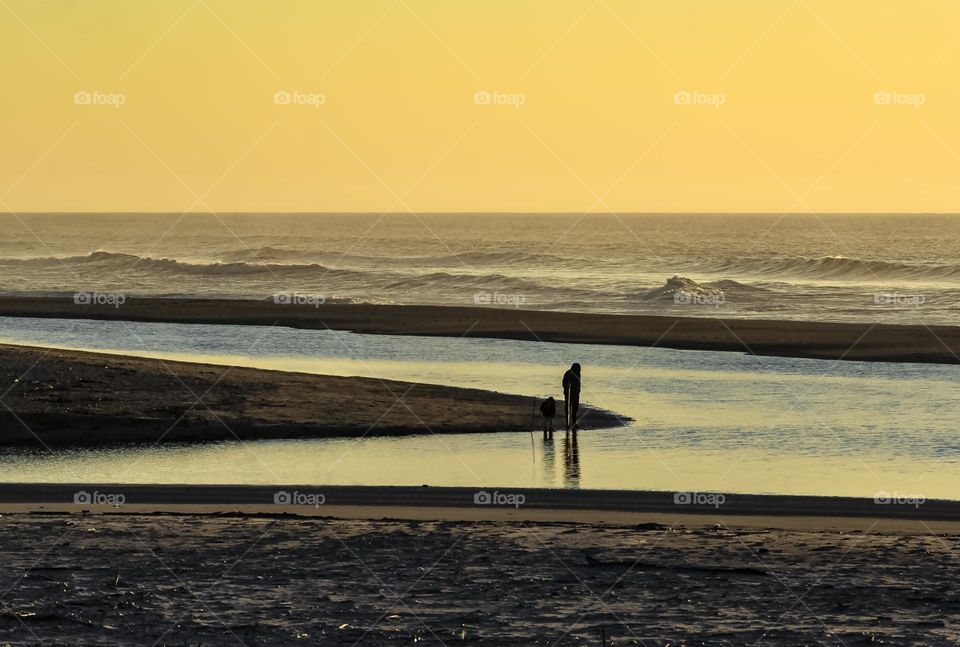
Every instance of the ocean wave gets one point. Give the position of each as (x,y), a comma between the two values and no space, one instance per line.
(117,261)
(465,259)
(836,267)
(445,280)
(115,264)
(685,287)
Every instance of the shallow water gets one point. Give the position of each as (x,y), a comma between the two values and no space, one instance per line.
(701,420)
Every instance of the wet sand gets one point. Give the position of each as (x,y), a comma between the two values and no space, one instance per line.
(823,340)
(218,565)
(72,397)
(243,579)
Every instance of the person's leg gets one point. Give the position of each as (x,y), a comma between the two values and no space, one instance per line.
(575,408)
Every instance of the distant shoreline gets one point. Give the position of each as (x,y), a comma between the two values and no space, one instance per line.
(799,339)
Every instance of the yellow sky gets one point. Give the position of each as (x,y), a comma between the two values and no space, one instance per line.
(746,105)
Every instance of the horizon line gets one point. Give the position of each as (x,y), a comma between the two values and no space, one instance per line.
(486,213)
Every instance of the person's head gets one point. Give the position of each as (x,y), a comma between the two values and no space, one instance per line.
(575,367)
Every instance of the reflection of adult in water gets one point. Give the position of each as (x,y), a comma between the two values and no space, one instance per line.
(571,396)
(571,460)
(549,459)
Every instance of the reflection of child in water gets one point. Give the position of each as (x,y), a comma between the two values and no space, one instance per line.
(549,410)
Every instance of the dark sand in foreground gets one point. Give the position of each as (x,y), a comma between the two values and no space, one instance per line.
(824,340)
(259,578)
(70,397)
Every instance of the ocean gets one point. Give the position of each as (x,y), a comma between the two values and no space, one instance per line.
(876,268)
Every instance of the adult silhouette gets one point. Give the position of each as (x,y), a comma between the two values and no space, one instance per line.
(571,396)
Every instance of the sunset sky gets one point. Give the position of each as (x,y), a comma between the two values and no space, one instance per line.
(483,105)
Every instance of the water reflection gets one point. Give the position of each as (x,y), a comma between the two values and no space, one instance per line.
(704,421)
(549,458)
(571,461)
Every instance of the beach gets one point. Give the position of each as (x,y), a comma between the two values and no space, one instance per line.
(70,397)
(294,298)
(802,339)
(217,572)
